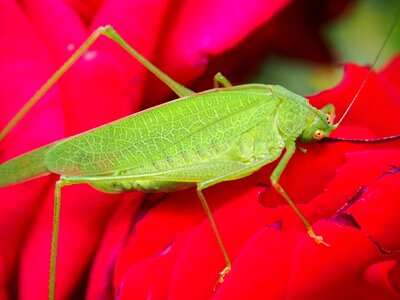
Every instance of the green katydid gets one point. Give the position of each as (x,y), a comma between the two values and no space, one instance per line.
(200,139)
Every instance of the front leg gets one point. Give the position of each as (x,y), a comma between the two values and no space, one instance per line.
(220,79)
(276,174)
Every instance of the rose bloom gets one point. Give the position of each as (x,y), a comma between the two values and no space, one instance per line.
(158,246)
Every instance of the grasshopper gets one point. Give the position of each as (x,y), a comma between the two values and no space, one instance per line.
(200,139)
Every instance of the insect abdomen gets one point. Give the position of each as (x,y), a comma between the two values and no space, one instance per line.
(146,186)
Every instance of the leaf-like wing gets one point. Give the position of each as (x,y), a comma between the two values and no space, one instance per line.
(180,128)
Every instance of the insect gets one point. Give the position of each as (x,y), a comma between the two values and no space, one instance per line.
(200,139)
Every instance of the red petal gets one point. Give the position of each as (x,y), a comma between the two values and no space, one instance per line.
(377,211)
(374,112)
(102,271)
(339,271)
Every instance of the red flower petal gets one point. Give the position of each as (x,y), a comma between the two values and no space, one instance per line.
(375,110)
(100,281)
(23,67)
(380,201)
(339,271)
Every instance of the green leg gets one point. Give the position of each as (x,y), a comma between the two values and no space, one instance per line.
(240,172)
(276,174)
(228,267)
(109,32)
(70,180)
(50,82)
(78,180)
(180,90)
(220,79)
(54,239)
(63,181)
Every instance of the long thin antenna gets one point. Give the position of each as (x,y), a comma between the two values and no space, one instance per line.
(362,141)
(397,16)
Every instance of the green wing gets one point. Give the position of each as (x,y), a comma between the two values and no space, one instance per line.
(24,167)
(179,132)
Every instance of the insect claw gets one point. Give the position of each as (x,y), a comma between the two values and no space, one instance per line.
(221,278)
(317,238)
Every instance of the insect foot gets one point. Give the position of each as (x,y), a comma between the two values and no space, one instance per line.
(317,238)
(221,278)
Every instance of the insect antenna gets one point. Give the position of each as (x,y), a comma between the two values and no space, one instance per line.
(397,16)
(360,141)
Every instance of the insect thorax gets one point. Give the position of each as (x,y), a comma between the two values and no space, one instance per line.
(292,113)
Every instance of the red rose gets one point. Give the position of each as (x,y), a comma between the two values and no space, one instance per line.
(164,246)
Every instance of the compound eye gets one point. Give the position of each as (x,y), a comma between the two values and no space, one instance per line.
(318,135)
(328,118)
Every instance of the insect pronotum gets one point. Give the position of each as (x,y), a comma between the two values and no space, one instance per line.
(221,134)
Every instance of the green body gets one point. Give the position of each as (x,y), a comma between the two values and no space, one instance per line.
(189,140)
